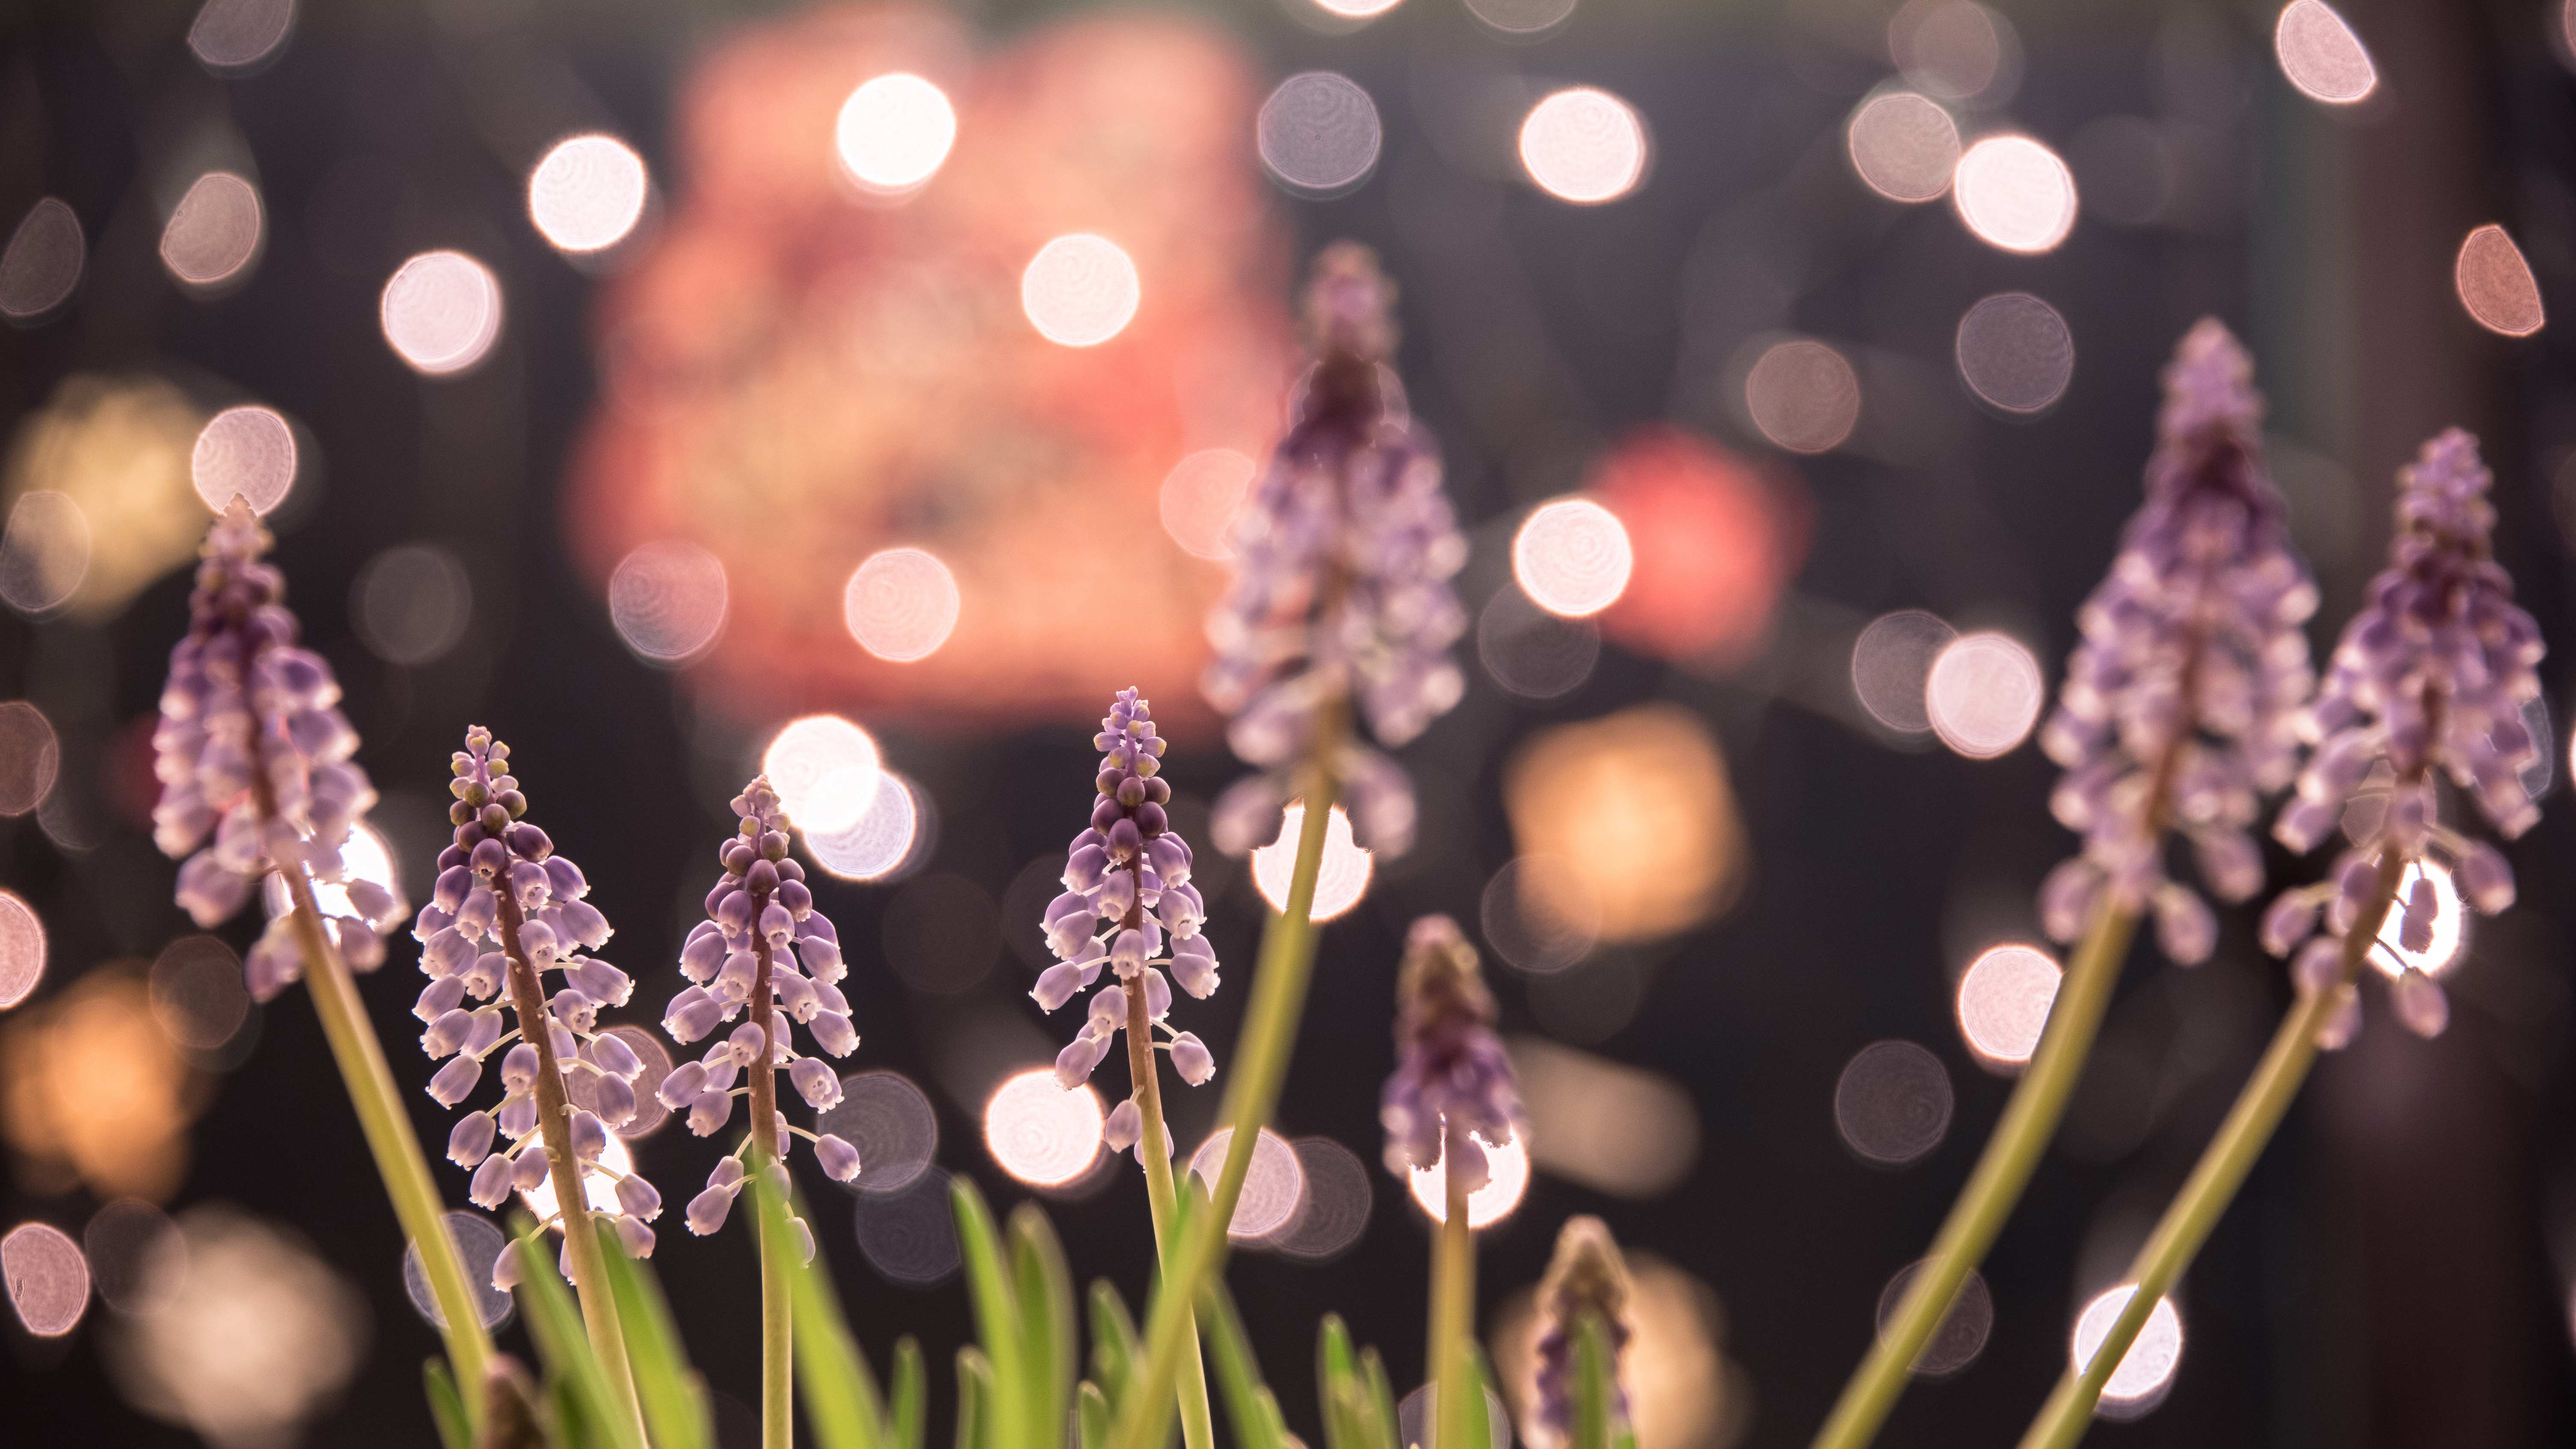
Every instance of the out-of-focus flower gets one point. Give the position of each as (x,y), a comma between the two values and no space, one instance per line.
(1341,588)
(2429,679)
(763,951)
(1451,1071)
(1128,904)
(2181,704)
(1586,1279)
(800,371)
(506,910)
(253,757)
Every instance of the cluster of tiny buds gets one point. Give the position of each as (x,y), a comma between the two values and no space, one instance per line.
(1127,894)
(1586,1279)
(1452,1078)
(765,949)
(503,893)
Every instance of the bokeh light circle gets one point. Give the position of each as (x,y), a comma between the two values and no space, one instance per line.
(587,193)
(215,231)
(2015,352)
(31,757)
(1572,557)
(1983,694)
(1507,1176)
(1903,146)
(1319,133)
(1274,1186)
(441,312)
(2441,955)
(1040,1133)
(825,770)
(479,1244)
(1963,1331)
(2320,54)
(233,37)
(1803,395)
(42,264)
(411,603)
(2003,1002)
(247,452)
(47,1278)
(1080,290)
(894,133)
(901,604)
(22,950)
(885,838)
(1892,1103)
(1340,882)
(891,1123)
(668,600)
(1891,663)
(2014,193)
(2152,1357)
(1584,145)
(1201,498)
(2495,284)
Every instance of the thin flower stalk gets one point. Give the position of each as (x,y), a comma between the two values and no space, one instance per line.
(766,954)
(1341,605)
(2428,681)
(1128,905)
(1451,1100)
(253,757)
(2179,711)
(505,911)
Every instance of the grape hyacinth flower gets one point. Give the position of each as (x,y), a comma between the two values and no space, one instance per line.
(2181,704)
(1586,1279)
(506,911)
(2429,679)
(1127,897)
(253,756)
(764,953)
(1341,589)
(1451,1071)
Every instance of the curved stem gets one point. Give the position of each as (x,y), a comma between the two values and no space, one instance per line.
(777,1300)
(1453,1309)
(1153,1148)
(381,1116)
(2003,1171)
(572,1202)
(1251,1093)
(2195,1210)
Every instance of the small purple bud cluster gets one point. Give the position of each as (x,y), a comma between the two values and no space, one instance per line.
(2430,678)
(1127,895)
(2180,708)
(1341,587)
(1450,1068)
(1586,1278)
(765,950)
(253,751)
(504,893)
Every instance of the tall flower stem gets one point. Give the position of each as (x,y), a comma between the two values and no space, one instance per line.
(2030,1119)
(1453,1310)
(381,1116)
(1260,1066)
(2222,1168)
(777,1301)
(1153,1148)
(572,1203)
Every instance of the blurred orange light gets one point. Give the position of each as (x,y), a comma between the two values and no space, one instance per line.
(92,1091)
(1637,808)
(1714,542)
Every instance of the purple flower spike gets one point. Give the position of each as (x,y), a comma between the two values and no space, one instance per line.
(766,955)
(2180,708)
(1341,588)
(1586,1278)
(1450,1068)
(2430,679)
(1128,905)
(502,892)
(252,754)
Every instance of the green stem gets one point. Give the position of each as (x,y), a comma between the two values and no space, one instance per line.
(1453,1310)
(777,1295)
(381,1116)
(1252,1092)
(2195,1211)
(1198,1428)
(2003,1170)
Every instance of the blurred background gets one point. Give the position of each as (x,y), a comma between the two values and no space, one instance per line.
(641,378)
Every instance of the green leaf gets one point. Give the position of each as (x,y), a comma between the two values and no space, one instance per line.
(832,1378)
(1378,1400)
(906,1420)
(997,1322)
(673,1397)
(1480,1424)
(1046,1323)
(1113,1341)
(1091,1417)
(446,1406)
(974,1398)
(1593,1393)
(1238,1375)
(554,1324)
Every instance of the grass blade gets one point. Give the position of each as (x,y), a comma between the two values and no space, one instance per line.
(1046,1323)
(974,1398)
(997,1315)
(446,1406)
(1238,1375)
(673,1397)
(1113,1342)
(832,1378)
(1090,1417)
(554,1324)
(906,1421)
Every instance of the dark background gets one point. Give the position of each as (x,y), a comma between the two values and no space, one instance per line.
(2395,1271)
